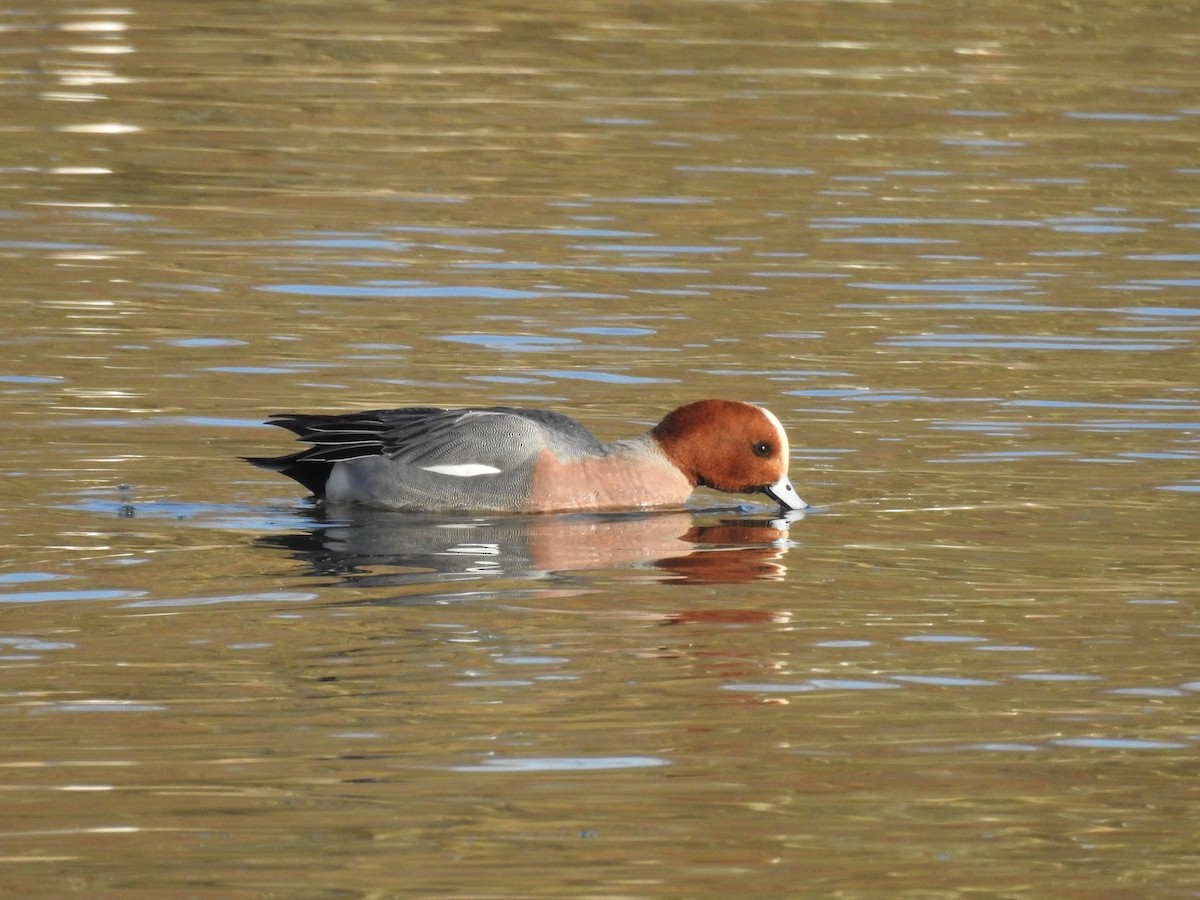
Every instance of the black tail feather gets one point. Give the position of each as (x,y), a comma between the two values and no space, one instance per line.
(313,474)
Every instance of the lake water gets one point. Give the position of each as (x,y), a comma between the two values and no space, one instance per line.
(955,248)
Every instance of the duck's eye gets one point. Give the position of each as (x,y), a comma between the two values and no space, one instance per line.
(762,448)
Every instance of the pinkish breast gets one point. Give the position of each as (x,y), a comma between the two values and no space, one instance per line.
(608,482)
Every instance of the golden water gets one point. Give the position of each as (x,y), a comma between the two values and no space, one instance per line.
(953,248)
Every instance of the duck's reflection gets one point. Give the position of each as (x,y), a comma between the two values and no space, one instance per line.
(387,548)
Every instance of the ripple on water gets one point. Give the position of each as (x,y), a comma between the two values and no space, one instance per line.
(534,764)
(28,577)
(748,170)
(944,639)
(31,379)
(66,596)
(96,706)
(603,377)
(1101,743)
(220,600)
(27,644)
(1029,342)
(812,684)
(424,292)
(973,286)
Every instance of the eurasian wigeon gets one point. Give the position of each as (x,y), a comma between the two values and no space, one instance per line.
(504,459)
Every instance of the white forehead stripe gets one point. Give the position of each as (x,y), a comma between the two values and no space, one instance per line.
(785,450)
(463,470)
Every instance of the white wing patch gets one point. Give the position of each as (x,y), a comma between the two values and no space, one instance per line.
(463,470)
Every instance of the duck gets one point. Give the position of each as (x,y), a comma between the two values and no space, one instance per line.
(510,459)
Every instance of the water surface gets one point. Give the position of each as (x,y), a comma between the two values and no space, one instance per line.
(954,251)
